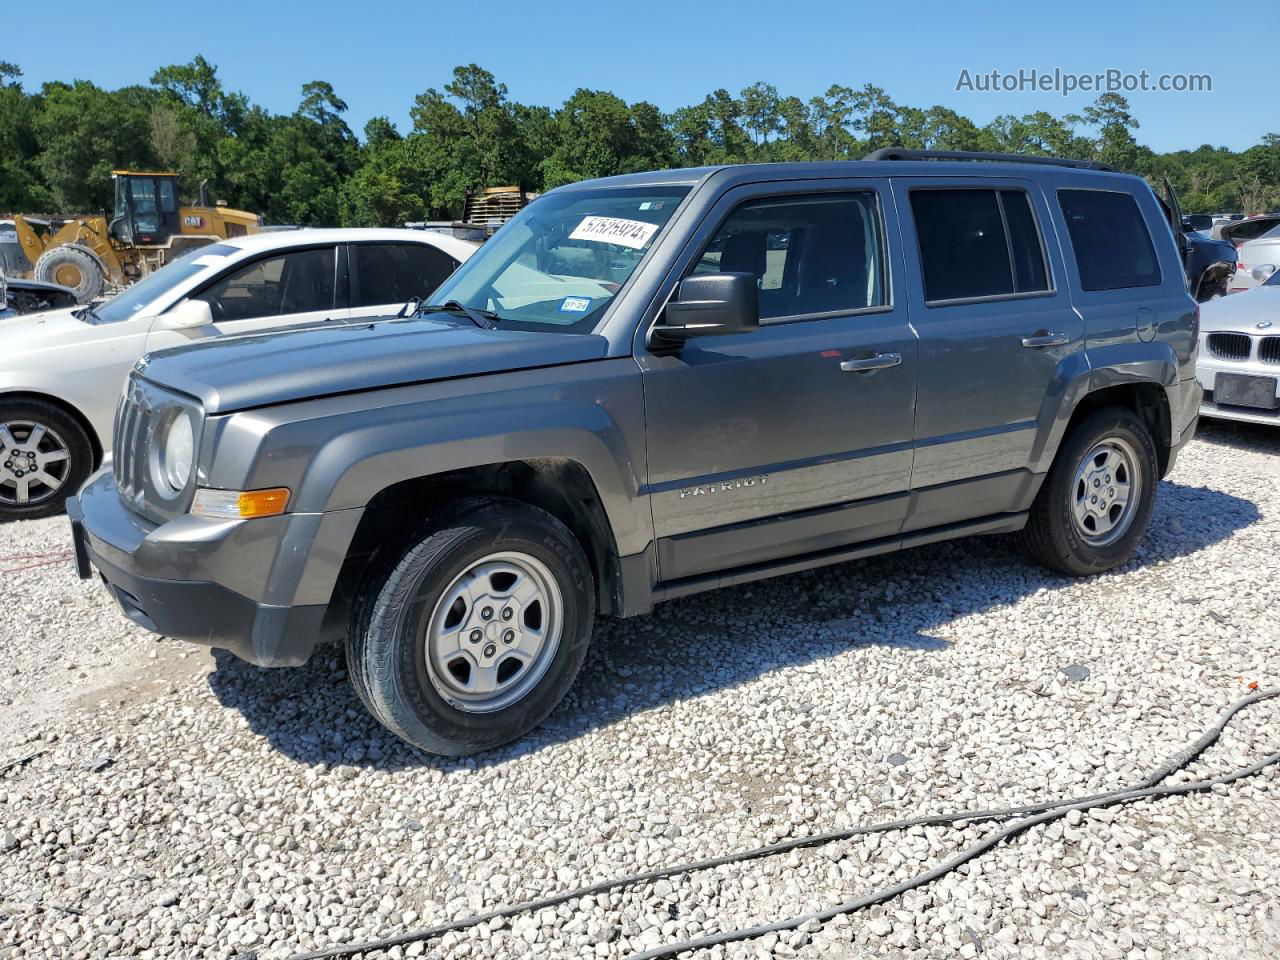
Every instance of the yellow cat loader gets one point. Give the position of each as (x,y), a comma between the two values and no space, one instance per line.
(146,230)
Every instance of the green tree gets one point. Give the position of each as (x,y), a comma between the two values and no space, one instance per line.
(85,132)
(760,115)
(1115,143)
(21,185)
(379,132)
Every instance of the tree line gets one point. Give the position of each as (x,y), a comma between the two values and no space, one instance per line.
(59,144)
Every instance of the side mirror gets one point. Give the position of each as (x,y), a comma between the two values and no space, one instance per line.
(711,305)
(1262,272)
(186,316)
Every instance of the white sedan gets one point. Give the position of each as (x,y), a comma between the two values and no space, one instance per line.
(61,371)
(1239,362)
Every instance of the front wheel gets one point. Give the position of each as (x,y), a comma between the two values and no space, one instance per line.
(476,631)
(1096,502)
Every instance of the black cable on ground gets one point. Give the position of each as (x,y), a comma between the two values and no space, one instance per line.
(1031,815)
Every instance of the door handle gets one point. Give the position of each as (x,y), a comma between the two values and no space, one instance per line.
(881,361)
(1046,338)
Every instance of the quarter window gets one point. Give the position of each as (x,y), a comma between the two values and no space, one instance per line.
(809,254)
(389,273)
(297,282)
(1112,246)
(978,243)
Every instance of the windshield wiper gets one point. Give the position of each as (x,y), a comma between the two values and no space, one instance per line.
(484,319)
(87,314)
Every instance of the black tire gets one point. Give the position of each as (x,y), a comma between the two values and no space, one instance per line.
(16,420)
(1052,536)
(386,650)
(71,268)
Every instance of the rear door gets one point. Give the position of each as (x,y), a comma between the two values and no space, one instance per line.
(998,339)
(386,276)
(794,438)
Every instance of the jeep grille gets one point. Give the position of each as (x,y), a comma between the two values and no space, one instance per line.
(144,407)
(129,445)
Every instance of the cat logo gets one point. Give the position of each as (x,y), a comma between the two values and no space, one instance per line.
(724,486)
(193,221)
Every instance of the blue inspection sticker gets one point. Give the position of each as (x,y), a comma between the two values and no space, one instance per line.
(575,304)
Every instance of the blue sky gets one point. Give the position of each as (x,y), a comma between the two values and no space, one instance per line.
(378,55)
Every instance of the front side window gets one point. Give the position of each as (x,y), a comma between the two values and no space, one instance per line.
(978,243)
(388,273)
(559,262)
(297,282)
(809,254)
(1111,243)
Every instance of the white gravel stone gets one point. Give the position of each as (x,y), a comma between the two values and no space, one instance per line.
(243,812)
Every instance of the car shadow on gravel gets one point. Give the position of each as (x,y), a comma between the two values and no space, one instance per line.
(701,644)
(1236,434)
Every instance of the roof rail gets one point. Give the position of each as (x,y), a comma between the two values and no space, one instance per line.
(902,153)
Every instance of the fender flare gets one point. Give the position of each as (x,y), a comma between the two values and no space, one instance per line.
(1135,363)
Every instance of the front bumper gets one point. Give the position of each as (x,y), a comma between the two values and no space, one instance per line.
(1207,369)
(210,582)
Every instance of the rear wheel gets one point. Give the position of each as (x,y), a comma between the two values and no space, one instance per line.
(473,634)
(1096,502)
(73,268)
(45,455)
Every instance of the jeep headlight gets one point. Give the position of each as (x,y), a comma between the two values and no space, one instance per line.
(175,452)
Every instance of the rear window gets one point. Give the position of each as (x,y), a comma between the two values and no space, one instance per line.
(978,243)
(1110,239)
(390,273)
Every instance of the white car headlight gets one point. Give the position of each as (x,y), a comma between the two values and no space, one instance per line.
(175,455)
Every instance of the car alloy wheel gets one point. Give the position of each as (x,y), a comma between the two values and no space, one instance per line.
(34,463)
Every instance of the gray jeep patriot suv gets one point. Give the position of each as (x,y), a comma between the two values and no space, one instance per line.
(647,386)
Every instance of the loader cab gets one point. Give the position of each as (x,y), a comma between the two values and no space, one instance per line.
(146,208)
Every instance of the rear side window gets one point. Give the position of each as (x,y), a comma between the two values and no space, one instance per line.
(1112,246)
(388,273)
(978,243)
(810,254)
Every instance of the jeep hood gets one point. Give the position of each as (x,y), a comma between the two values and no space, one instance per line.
(254,370)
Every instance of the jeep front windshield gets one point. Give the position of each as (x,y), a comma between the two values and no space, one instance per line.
(560,261)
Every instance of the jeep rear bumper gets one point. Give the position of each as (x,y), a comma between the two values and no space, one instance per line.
(211,582)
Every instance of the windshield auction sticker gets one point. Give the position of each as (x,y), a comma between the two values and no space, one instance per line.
(625,233)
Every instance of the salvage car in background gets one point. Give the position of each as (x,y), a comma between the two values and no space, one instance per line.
(61,372)
(32,296)
(1207,263)
(1239,363)
(1257,242)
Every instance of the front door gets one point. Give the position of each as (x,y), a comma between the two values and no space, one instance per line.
(795,438)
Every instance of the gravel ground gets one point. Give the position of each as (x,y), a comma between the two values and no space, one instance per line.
(197,807)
